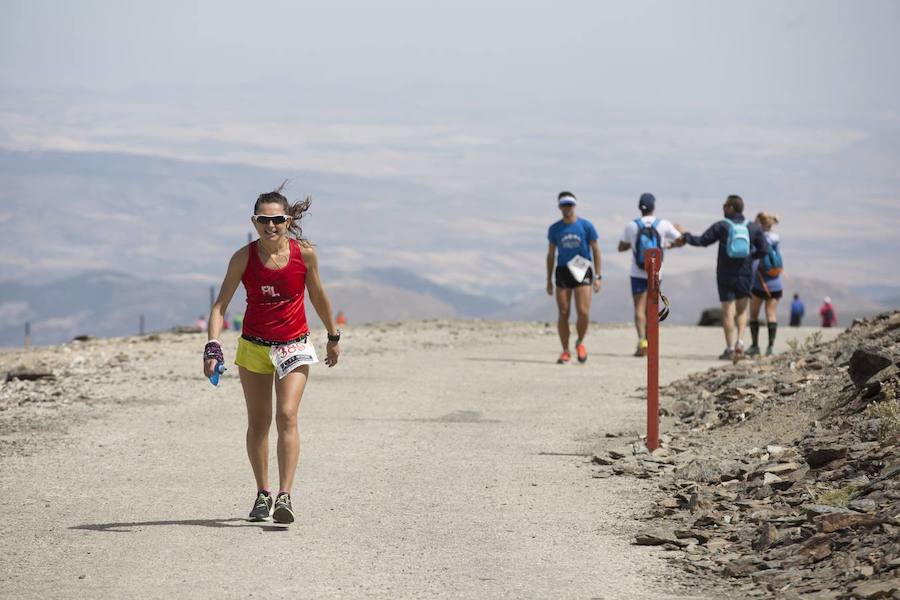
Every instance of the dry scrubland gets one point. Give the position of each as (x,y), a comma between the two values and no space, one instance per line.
(443,459)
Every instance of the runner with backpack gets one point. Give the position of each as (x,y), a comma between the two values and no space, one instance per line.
(640,235)
(767,287)
(739,243)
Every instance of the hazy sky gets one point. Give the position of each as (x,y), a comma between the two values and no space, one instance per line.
(492,107)
(794,57)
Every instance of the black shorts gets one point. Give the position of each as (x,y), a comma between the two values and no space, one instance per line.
(734,288)
(762,294)
(564,278)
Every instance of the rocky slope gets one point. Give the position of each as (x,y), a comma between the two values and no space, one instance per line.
(783,475)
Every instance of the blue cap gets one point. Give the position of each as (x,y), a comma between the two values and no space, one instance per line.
(647,202)
(566,199)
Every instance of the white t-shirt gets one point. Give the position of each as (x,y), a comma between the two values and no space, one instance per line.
(667,234)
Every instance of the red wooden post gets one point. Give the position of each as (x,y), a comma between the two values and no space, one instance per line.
(652,260)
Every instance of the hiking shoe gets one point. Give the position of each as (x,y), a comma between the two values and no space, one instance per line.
(262,508)
(728,354)
(641,348)
(582,353)
(753,351)
(564,358)
(283,513)
(770,350)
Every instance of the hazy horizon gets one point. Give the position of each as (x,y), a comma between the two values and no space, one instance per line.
(435,138)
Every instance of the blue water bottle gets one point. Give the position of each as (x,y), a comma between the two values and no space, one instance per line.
(220,368)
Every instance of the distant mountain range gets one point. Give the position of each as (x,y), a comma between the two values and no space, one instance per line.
(108,303)
(171,224)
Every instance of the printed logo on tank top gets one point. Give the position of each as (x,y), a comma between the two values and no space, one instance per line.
(269,290)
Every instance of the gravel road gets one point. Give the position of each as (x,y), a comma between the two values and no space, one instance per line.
(440,460)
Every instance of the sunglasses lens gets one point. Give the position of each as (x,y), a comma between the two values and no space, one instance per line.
(262,220)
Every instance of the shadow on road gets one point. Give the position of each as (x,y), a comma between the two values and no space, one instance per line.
(218,523)
(703,357)
(698,357)
(509,360)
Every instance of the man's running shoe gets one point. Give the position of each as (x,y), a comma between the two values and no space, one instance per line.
(753,351)
(262,508)
(564,358)
(284,513)
(582,353)
(641,348)
(770,350)
(728,354)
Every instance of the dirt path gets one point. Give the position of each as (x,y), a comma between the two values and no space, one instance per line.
(439,461)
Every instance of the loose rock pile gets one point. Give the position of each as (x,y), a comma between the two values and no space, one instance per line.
(813,510)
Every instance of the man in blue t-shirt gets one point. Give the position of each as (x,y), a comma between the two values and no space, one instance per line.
(576,255)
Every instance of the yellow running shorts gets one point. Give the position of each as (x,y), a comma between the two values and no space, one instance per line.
(253,357)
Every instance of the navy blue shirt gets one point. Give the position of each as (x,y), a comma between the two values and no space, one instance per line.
(727,267)
(572,239)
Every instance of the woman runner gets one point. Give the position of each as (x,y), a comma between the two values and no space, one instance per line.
(274,269)
(766,289)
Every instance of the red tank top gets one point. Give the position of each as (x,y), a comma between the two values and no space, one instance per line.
(275,310)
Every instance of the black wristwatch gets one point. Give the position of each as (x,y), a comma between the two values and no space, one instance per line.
(598,277)
(335,338)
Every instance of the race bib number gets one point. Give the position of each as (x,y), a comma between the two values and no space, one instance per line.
(287,357)
(578,267)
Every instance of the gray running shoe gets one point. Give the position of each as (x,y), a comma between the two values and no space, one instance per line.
(262,508)
(770,350)
(753,351)
(728,354)
(284,513)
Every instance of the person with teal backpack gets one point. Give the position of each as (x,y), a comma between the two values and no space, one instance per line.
(767,287)
(739,243)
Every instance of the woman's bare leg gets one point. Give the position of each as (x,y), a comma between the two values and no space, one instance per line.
(258,396)
(288,392)
(755,305)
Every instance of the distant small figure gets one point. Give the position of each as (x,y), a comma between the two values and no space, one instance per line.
(237,322)
(797,310)
(340,319)
(201,323)
(829,317)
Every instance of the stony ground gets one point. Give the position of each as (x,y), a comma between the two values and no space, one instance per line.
(782,475)
(441,459)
